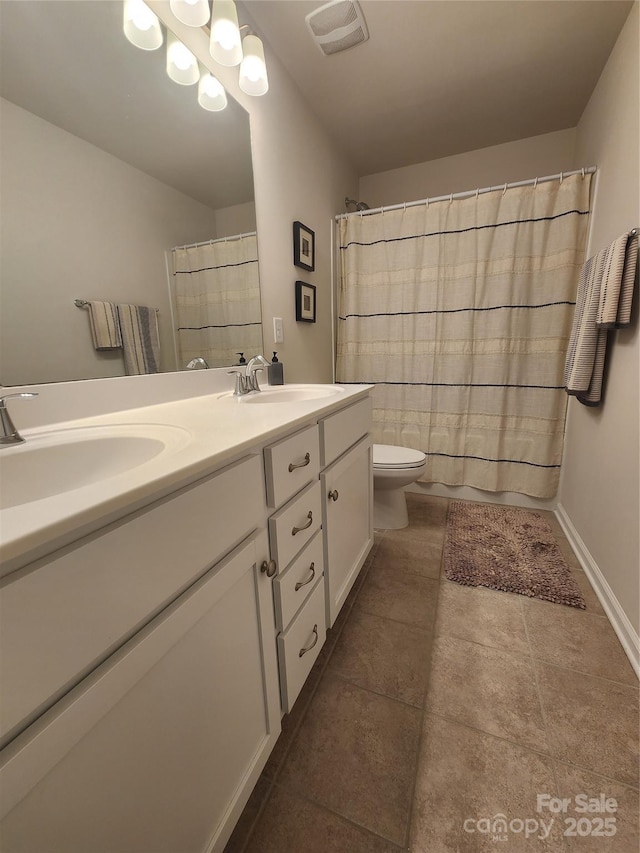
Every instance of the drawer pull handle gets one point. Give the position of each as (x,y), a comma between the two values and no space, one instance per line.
(294,465)
(304,526)
(306,649)
(333,495)
(269,568)
(311,577)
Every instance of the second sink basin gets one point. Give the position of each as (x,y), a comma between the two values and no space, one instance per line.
(288,394)
(60,461)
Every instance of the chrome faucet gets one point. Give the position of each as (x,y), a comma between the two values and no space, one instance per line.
(9,434)
(248,381)
(198,363)
(258,362)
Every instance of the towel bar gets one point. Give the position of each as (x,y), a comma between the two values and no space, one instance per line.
(83,303)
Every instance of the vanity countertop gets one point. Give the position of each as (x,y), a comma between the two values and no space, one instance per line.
(208,432)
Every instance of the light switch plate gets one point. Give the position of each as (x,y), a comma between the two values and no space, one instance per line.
(278,330)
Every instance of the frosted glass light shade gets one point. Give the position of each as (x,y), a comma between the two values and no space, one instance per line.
(141,26)
(182,66)
(211,93)
(225,45)
(253,69)
(193,13)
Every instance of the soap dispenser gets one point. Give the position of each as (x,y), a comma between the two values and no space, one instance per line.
(276,371)
(242,359)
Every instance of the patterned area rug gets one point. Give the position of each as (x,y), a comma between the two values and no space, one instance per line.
(509,549)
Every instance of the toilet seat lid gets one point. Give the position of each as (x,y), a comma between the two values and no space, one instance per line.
(391,456)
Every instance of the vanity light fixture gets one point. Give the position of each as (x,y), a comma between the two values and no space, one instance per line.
(182,66)
(211,93)
(253,69)
(225,45)
(141,26)
(193,13)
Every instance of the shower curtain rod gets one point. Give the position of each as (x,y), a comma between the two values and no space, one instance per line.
(468,193)
(218,240)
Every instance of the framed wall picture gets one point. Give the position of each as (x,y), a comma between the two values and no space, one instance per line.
(305,302)
(304,247)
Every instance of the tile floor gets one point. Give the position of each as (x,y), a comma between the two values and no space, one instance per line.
(432,704)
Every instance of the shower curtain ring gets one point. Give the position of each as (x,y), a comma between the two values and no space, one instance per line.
(535,184)
(477,193)
(504,190)
(582,170)
(451,198)
(561,177)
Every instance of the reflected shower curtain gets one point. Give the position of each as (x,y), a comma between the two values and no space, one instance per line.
(217,299)
(460,313)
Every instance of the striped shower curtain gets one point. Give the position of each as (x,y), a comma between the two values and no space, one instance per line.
(460,312)
(217,300)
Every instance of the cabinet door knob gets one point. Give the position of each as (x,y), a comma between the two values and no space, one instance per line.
(269,568)
(333,495)
(304,526)
(294,465)
(306,649)
(300,584)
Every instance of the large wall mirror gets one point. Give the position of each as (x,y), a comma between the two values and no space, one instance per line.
(107,166)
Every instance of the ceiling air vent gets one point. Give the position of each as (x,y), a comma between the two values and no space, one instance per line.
(337,26)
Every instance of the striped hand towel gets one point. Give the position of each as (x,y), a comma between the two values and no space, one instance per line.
(605,293)
(140,339)
(105,327)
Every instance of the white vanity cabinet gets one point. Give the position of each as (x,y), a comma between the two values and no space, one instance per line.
(159,746)
(145,666)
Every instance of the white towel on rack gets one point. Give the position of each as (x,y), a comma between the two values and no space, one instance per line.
(104,324)
(140,339)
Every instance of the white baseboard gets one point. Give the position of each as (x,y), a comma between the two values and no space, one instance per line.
(619,620)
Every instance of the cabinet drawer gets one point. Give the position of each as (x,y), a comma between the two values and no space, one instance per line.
(290,464)
(340,431)
(295,524)
(292,588)
(299,646)
(70,611)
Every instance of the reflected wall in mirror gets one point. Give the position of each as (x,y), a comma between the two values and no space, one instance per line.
(107,165)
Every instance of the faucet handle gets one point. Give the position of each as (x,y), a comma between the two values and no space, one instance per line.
(241,383)
(8,433)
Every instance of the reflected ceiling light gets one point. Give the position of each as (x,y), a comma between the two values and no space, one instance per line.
(211,93)
(141,25)
(193,13)
(253,70)
(182,66)
(225,45)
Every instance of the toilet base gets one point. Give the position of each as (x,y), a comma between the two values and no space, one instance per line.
(390,509)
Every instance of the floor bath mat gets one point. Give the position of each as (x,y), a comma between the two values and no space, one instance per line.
(509,549)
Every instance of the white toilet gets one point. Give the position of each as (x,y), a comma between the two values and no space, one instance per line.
(393,469)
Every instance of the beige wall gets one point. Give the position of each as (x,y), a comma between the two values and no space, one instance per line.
(512,161)
(79,223)
(299,174)
(239,219)
(599,489)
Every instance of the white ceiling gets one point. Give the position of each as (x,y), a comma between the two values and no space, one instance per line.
(68,62)
(441,78)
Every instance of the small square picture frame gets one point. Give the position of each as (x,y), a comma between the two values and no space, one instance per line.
(305,302)
(304,247)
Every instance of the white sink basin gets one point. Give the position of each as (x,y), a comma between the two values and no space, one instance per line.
(287,394)
(56,462)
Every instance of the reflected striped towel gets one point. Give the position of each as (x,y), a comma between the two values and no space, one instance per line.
(605,293)
(105,327)
(140,339)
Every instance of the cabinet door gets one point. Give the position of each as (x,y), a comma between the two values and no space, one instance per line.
(159,748)
(347,498)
